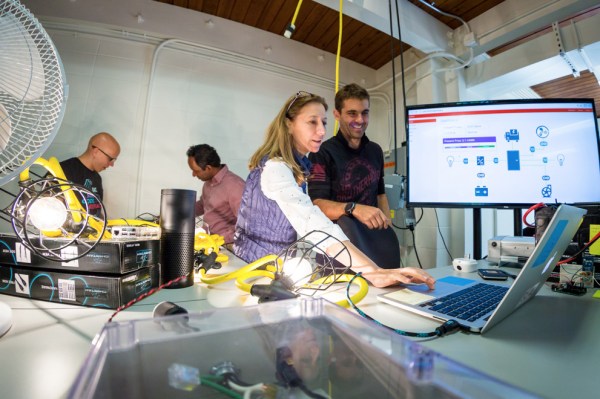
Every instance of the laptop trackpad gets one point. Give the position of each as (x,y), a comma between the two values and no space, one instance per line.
(421,293)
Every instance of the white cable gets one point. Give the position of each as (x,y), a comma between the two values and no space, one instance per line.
(247,391)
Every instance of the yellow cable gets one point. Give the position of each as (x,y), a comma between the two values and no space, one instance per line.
(241,281)
(363,287)
(264,261)
(289,30)
(337,61)
(293,23)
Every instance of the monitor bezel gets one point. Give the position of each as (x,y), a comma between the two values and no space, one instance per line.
(515,205)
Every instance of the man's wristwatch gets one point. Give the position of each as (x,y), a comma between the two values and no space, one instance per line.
(349,208)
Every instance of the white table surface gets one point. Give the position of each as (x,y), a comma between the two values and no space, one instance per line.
(550,347)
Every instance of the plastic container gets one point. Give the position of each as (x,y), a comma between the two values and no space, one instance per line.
(294,348)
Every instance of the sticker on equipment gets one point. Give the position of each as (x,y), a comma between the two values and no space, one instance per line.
(66,290)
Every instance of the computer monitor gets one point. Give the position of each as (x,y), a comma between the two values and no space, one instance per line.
(502,154)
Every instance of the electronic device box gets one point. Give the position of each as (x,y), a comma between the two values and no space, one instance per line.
(510,249)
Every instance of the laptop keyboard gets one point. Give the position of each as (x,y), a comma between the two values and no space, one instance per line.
(469,304)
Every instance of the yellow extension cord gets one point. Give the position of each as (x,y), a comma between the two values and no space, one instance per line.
(251,272)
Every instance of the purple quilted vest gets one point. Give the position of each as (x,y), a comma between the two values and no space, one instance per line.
(262,228)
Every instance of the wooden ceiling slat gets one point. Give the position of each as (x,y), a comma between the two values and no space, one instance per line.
(238,13)
(180,3)
(324,30)
(308,19)
(225,8)
(255,12)
(195,4)
(210,7)
(269,14)
(349,28)
(283,17)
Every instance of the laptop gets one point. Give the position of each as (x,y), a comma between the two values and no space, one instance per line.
(479,315)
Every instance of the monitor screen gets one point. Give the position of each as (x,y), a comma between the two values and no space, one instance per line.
(503,154)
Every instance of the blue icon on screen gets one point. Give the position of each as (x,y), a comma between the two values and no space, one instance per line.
(542,132)
(532,149)
(543,143)
(545,160)
(465,161)
(546,177)
(481,191)
(547,191)
(496,160)
(480,160)
(512,135)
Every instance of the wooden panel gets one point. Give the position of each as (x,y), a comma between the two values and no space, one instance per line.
(585,86)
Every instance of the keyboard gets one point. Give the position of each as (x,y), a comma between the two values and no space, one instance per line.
(469,304)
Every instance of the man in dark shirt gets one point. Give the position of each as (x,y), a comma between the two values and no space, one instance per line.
(347,171)
(101,153)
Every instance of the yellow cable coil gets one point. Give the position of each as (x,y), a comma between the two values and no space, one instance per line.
(264,261)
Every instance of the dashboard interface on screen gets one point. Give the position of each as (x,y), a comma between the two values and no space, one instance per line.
(502,153)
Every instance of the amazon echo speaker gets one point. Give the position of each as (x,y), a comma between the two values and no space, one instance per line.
(177,230)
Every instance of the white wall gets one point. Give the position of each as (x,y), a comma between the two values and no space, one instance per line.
(196,93)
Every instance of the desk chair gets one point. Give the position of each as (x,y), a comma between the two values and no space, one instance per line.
(381,246)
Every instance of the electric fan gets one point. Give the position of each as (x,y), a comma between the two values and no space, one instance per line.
(33,95)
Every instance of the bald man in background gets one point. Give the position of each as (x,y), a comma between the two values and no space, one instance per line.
(101,153)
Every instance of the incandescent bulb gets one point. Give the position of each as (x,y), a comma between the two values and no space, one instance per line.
(298,270)
(47,213)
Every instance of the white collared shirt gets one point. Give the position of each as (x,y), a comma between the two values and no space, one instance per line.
(278,184)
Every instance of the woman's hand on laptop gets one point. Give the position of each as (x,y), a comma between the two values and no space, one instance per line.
(405,275)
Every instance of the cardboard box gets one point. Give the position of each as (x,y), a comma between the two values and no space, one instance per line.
(103,291)
(109,256)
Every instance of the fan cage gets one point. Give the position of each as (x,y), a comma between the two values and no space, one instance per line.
(32,89)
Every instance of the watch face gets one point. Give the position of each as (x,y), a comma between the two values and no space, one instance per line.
(349,208)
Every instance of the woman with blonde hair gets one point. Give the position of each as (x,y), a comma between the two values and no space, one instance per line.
(276,208)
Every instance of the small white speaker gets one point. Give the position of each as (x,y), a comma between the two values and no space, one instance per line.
(464,265)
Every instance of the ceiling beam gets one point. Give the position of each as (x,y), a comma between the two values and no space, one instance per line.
(419,29)
(514,19)
(538,60)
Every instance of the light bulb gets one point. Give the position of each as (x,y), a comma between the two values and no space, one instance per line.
(450,160)
(47,213)
(298,270)
(561,159)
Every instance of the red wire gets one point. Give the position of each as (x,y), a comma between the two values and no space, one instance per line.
(528,211)
(562,262)
(145,295)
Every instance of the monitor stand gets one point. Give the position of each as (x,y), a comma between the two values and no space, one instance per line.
(5,318)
